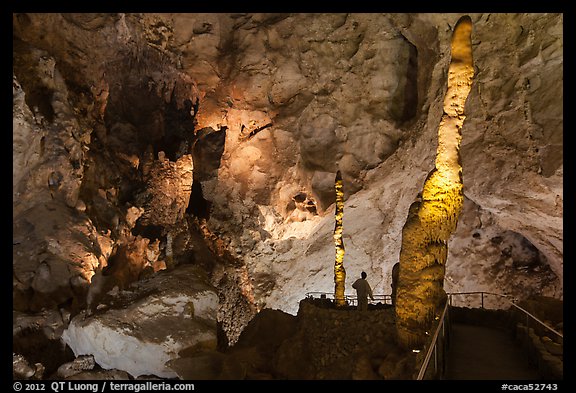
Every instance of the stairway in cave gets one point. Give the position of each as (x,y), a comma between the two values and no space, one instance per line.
(485,353)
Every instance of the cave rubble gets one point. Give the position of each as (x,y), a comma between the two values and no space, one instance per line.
(138,331)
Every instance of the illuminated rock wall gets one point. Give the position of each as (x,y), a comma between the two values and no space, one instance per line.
(365,91)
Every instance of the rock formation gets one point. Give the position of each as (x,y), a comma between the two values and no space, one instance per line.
(434,216)
(163,140)
(143,329)
(339,270)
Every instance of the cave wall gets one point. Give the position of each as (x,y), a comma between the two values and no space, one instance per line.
(97,97)
(296,258)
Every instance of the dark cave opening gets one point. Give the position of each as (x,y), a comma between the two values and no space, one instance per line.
(138,123)
(207,152)
(35,347)
(152,232)
(39,98)
(404,107)
(198,206)
(26,62)
(178,124)
(133,117)
(410,108)
(158,113)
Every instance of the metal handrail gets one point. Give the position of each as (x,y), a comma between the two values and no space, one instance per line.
(537,320)
(434,346)
(441,325)
(482,293)
(512,302)
(350,299)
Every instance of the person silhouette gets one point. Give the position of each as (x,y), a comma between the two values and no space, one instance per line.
(363,290)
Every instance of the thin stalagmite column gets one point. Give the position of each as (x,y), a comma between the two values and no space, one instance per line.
(433,216)
(339,271)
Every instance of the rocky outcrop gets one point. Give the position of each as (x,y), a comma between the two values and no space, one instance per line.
(77,366)
(56,250)
(334,343)
(56,247)
(167,191)
(484,257)
(107,375)
(23,370)
(320,342)
(142,329)
(38,350)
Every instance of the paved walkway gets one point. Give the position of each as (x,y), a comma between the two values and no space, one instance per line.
(484,353)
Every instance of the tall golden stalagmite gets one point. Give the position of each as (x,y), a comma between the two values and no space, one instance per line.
(433,217)
(339,271)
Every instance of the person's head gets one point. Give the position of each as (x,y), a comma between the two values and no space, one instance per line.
(363,275)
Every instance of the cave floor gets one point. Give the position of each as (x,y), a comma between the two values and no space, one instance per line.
(484,353)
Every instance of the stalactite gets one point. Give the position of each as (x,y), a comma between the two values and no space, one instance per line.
(339,271)
(432,219)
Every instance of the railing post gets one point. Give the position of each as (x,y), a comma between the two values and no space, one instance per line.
(446,341)
(435,359)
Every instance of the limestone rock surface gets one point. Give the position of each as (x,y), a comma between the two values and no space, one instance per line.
(145,328)
(269,106)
